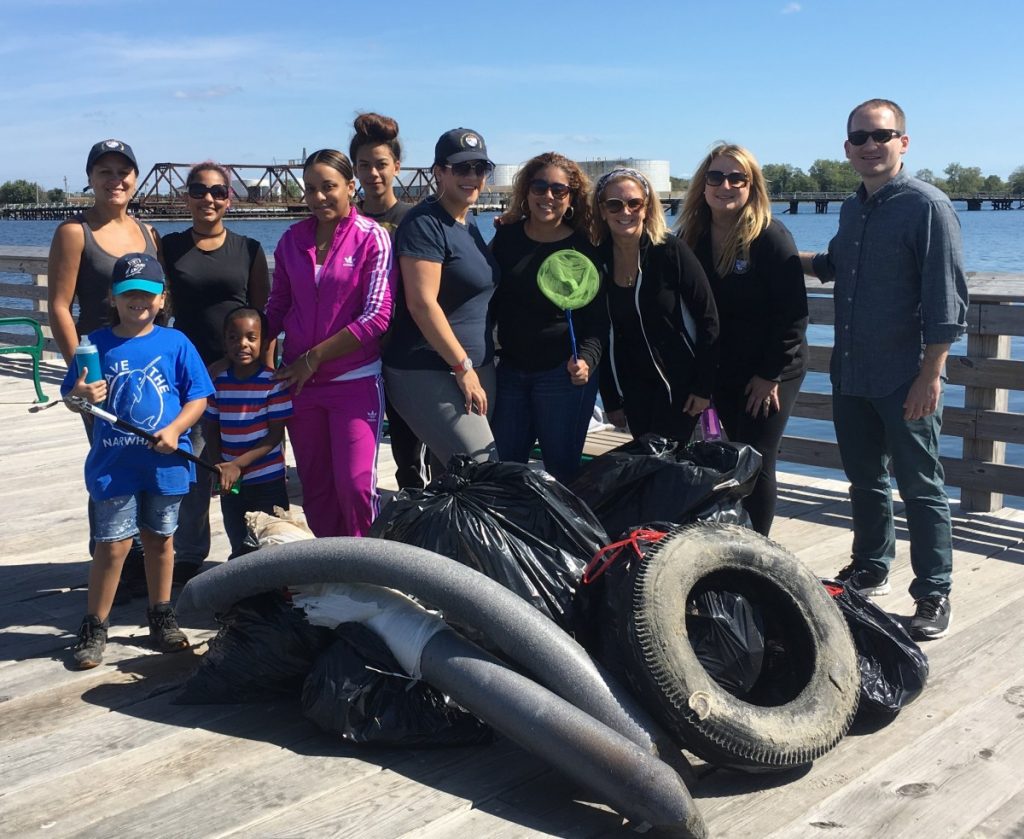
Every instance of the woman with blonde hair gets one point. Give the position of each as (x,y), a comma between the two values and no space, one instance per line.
(545,391)
(754,270)
(662,349)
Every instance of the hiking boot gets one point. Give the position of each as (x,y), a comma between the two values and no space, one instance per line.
(931,618)
(92,640)
(164,632)
(864,582)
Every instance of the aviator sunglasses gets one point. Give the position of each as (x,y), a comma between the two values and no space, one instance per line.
(540,187)
(617,205)
(879,135)
(218,192)
(736,179)
(480,168)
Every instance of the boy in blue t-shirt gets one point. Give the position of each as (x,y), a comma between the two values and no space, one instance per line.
(245,426)
(154,379)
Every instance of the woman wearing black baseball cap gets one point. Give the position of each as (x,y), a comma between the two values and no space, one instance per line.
(438,362)
(81,264)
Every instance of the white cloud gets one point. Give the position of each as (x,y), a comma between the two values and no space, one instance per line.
(791,8)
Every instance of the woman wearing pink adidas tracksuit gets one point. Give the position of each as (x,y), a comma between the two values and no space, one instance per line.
(332,298)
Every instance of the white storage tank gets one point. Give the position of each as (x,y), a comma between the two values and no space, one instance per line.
(656,171)
(503,174)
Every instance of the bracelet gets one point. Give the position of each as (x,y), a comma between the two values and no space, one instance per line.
(305,357)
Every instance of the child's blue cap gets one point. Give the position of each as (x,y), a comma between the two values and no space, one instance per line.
(137,272)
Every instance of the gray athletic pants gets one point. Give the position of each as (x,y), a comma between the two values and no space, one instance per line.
(435,409)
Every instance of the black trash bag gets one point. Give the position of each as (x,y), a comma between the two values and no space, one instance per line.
(264,649)
(358,690)
(727,636)
(893,670)
(654,478)
(518,526)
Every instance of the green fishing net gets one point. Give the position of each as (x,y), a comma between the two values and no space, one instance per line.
(568,279)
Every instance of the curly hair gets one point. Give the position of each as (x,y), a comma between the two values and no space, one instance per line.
(695,218)
(654,216)
(208,166)
(579,184)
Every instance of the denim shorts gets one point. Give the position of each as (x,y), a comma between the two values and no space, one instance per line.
(121,517)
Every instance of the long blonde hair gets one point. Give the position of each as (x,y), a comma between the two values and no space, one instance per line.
(695,219)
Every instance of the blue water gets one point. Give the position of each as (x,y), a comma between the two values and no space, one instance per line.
(993,241)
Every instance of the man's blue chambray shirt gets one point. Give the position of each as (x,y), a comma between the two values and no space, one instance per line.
(897,263)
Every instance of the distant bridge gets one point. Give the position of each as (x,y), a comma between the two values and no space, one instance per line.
(821,200)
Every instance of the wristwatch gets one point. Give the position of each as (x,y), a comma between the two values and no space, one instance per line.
(463,366)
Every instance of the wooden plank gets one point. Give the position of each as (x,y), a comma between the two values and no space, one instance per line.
(996,319)
(1006,821)
(972,760)
(985,372)
(377,807)
(970,663)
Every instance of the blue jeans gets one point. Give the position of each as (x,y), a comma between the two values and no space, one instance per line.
(192,538)
(872,432)
(122,516)
(544,406)
(251,498)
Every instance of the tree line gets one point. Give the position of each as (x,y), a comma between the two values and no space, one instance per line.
(25,192)
(839,176)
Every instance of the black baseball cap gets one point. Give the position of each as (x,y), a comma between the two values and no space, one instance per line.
(137,272)
(110,147)
(458,145)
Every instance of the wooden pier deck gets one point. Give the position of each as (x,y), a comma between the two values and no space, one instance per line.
(106,752)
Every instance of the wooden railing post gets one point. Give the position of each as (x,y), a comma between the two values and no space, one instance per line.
(984,398)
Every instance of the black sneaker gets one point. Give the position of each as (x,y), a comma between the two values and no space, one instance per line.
(931,618)
(863,581)
(164,632)
(92,640)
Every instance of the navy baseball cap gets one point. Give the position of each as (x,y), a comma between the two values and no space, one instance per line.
(110,147)
(458,145)
(137,272)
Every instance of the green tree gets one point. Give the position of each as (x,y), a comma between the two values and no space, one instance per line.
(962,180)
(926,175)
(18,192)
(678,184)
(1016,181)
(993,183)
(833,176)
(56,196)
(783,179)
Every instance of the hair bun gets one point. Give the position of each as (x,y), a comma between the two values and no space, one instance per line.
(375,128)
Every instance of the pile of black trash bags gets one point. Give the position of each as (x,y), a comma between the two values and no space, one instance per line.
(523,529)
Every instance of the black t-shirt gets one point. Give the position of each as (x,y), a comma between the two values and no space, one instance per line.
(762,309)
(533,333)
(206,285)
(468,277)
(390,218)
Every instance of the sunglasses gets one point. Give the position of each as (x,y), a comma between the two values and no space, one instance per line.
(736,179)
(480,168)
(617,205)
(218,192)
(540,187)
(879,135)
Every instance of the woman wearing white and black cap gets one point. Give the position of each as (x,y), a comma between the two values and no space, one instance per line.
(81,263)
(438,363)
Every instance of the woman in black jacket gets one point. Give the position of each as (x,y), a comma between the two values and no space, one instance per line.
(664,326)
(755,274)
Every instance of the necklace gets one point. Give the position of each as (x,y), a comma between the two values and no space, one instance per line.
(199,235)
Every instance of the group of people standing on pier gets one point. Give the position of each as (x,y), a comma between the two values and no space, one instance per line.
(405,311)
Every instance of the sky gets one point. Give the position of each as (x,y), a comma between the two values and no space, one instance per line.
(260,82)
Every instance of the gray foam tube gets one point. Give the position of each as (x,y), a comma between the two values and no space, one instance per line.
(634,782)
(463,594)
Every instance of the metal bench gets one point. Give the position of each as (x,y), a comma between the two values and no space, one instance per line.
(34,350)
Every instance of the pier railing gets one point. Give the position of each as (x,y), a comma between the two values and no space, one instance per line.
(986,371)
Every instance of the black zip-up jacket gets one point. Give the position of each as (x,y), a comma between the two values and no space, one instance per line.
(670,337)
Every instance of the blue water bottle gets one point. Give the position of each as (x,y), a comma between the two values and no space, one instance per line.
(87,357)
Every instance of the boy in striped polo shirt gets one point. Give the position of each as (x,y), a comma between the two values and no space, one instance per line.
(245,426)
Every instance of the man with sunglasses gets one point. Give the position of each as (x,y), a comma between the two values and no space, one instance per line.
(900,301)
